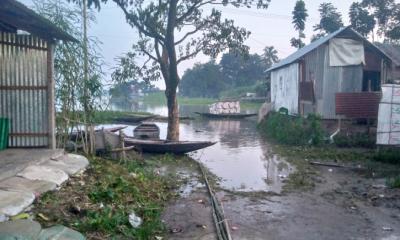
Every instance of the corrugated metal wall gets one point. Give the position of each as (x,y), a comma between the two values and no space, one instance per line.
(285,88)
(314,71)
(23,89)
(338,79)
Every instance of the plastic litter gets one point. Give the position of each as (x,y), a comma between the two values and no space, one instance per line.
(134,220)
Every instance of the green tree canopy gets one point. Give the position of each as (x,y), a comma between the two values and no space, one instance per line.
(203,80)
(299,22)
(330,19)
(361,20)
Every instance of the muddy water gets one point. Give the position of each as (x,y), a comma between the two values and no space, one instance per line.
(240,159)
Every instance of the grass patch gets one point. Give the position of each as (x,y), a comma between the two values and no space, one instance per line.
(393,182)
(158,98)
(98,202)
(355,140)
(101,117)
(391,155)
(285,129)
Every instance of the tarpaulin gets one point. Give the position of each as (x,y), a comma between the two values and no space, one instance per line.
(345,52)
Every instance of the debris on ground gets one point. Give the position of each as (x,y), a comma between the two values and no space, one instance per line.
(134,220)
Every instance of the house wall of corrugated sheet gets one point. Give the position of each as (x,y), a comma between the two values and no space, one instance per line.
(338,79)
(23,89)
(285,88)
(314,72)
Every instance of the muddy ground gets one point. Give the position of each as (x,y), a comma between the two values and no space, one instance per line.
(341,204)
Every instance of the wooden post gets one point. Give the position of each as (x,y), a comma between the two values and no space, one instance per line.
(51,97)
(122,143)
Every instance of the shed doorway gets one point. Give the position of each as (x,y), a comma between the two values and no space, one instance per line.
(371,81)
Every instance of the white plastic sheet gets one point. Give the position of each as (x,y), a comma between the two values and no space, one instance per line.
(345,52)
(388,132)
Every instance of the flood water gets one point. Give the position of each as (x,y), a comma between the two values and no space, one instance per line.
(240,159)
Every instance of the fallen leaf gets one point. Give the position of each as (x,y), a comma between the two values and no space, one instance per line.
(20,216)
(42,216)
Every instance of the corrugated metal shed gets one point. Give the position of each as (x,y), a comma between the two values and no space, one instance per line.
(347,31)
(16,16)
(26,75)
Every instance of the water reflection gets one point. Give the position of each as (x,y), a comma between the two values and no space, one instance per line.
(240,158)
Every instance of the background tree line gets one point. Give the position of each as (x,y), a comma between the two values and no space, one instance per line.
(373,18)
(232,76)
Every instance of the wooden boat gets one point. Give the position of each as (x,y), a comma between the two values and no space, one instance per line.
(133,118)
(164,146)
(227,115)
(73,136)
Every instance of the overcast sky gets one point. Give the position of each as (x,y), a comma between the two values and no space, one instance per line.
(270,27)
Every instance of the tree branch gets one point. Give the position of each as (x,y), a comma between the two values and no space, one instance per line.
(129,16)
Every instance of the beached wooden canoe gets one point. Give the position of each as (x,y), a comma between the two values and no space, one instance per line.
(227,115)
(164,146)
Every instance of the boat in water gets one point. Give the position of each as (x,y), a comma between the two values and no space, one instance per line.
(227,115)
(165,146)
(225,109)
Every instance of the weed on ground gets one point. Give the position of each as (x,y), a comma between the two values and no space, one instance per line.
(99,201)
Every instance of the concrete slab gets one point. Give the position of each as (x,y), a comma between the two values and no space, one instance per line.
(44,173)
(14,202)
(20,229)
(23,184)
(13,161)
(69,163)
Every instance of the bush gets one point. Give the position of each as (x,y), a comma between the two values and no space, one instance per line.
(393,182)
(391,156)
(291,130)
(355,140)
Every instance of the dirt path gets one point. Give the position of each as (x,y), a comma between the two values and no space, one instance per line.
(341,205)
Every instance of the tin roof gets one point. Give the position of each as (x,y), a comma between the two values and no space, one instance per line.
(346,31)
(392,50)
(16,16)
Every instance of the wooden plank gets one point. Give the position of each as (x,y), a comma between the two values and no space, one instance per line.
(51,97)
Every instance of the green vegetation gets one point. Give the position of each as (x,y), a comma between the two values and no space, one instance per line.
(291,130)
(158,98)
(98,202)
(362,140)
(232,77)
(393,182)
(390,155)
(102,117)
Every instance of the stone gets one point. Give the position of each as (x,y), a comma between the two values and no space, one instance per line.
(14,202)
(23,184)
(44,173)
(20,229)
(60,232)
(69,163)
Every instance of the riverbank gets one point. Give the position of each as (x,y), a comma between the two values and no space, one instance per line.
(98,202)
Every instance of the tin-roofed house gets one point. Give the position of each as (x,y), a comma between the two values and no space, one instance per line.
(27,43)
(336,76)
(393,51)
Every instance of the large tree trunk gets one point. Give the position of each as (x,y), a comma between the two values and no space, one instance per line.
(173,114)
(172,80)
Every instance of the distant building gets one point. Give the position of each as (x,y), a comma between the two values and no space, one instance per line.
(394,52)
(339,75)
(27,43)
